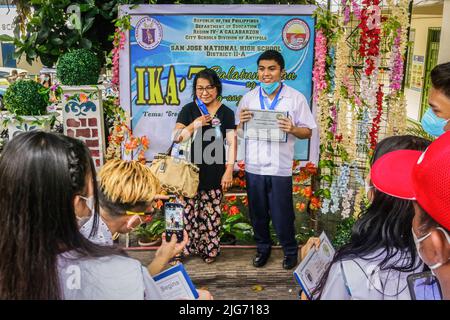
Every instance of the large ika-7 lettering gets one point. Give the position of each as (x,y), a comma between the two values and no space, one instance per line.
(153,93)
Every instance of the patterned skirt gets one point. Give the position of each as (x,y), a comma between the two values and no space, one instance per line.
(202,223)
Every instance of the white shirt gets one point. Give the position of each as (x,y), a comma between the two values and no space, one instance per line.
(112,277)
(273,158)
(105,278)
(360,279)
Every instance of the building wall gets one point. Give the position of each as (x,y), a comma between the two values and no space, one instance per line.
(420,23)
(444,49)
(7,16)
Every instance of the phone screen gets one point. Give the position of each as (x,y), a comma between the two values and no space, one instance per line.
(424,286)
(173,213)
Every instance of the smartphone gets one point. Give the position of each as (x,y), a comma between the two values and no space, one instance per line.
(173,213)
(424,286)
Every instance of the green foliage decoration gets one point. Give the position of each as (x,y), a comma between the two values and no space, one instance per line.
(343,232)
(24,98)
(78,67)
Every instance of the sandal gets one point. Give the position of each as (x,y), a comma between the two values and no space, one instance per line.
(209,260)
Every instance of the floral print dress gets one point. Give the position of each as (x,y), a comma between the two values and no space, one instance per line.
(202,223)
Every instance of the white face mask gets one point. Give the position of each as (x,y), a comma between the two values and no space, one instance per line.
(89,202)
(417,242)
(367,187)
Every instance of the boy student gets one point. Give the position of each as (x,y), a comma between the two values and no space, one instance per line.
(436,120)
(268,163)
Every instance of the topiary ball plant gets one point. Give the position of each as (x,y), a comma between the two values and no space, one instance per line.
(77,68)
(22,98)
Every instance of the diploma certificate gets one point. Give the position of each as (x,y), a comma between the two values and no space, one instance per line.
(264,126)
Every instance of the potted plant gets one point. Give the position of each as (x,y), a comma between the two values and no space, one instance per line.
(27,102)
(79,71)
(149,234)
(235,227)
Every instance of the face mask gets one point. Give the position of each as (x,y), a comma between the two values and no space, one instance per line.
(134,222)
(89,202)
(417,242)
(432,124)
(269,88)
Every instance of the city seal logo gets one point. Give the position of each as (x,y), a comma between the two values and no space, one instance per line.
(296,34)
(148,33)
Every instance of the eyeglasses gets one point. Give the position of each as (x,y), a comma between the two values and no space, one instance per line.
(208,89)
(136,218)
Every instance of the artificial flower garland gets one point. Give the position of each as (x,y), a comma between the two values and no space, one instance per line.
(377,119)
(351,120)
(119,42)
(370,34)
(319,64)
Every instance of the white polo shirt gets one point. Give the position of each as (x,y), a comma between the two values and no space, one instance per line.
(273,158)
(362,279)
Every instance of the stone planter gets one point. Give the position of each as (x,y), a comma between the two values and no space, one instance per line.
(21,124)
(228,239)
(150,244)
(83,118)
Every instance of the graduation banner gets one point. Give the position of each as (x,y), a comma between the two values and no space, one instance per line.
(168,44)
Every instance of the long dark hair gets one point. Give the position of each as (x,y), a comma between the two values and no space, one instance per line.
(40,174)
(385,224)
(211,76)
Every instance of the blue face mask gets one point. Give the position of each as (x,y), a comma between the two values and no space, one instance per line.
(269,88)
(432,124)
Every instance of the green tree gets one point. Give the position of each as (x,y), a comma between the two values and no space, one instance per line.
(45,29)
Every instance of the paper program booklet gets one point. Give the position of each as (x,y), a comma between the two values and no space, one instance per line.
(175,284)
(313,266)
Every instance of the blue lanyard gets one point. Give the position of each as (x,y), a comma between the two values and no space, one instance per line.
(202,106)
(205,112)
(274,102)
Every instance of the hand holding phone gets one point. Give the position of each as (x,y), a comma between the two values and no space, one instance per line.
(173,213)
(424,286)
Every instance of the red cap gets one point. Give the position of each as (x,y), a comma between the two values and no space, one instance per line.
(424,177)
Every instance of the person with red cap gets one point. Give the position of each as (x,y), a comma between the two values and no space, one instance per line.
(436,119)
(424,178)
(380,254)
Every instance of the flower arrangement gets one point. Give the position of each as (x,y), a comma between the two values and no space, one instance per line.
(239,177)
(308,198)
(234,224)
(122,141)
(350,106)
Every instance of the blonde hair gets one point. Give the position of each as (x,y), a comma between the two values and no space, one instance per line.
(128,182)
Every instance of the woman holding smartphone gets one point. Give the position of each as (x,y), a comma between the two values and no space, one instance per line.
(126,193)
(212,124)
(45,179)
